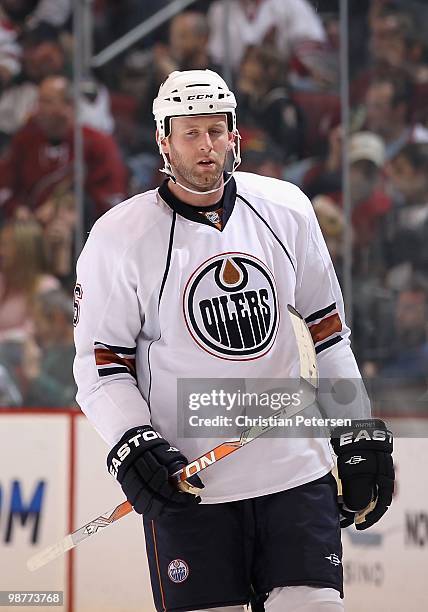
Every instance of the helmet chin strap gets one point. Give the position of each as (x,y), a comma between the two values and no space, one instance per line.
(167,169)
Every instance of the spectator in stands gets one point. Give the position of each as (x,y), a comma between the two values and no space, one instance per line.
(400,379)
(241,17)
(53,12)
(138,83)
(187,47)
(322,176)
(298,33)
(13,14)
(23,276)
(367,157)
(397,38)
(396,46)
(332,223)
(41,155)
(408,172)
(95,106)
(42,56)
(18,16)
(292,23)
(260,155)
(58,218)
(409,343)
(47,363)
(391,39)
(387,107)
(406,226)
(369,198)
(251,22)
(264,101)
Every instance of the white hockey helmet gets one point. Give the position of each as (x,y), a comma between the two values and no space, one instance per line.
(194,92)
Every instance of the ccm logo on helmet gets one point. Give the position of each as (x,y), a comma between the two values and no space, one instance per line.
(124,450)
(377,435)
(200,96)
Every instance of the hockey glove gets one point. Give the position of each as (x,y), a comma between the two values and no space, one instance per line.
(142,461)
(346,517)
(365,469)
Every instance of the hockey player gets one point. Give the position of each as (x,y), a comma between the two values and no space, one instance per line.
(191,280)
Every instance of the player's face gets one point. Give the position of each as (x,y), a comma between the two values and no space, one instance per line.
(197,149)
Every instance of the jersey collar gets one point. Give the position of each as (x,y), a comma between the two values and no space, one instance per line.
(227,202)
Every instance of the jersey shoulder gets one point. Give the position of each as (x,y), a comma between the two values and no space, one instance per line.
(271,191)
(130,220)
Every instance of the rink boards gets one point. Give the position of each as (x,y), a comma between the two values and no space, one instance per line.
(53,480)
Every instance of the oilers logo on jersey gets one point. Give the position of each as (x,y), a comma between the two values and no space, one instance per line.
(178,571)
(231,306)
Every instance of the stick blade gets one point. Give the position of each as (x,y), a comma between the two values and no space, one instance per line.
(50,553)
(83,533)
(307,354)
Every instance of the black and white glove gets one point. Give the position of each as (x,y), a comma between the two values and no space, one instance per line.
(365,469)
(142,461)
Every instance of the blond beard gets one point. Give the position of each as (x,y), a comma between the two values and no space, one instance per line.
(184,173)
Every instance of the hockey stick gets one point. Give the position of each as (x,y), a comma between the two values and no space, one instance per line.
(308,383)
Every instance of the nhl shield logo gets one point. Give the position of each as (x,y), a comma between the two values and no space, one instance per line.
(213,216)
(178,570)
(231,307)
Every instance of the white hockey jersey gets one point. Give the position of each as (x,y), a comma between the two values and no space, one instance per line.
(162,294)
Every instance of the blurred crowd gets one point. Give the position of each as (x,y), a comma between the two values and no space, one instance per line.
(282,57)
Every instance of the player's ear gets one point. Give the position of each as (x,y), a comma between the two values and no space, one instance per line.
(164,142)
(231,142)
(165,145)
